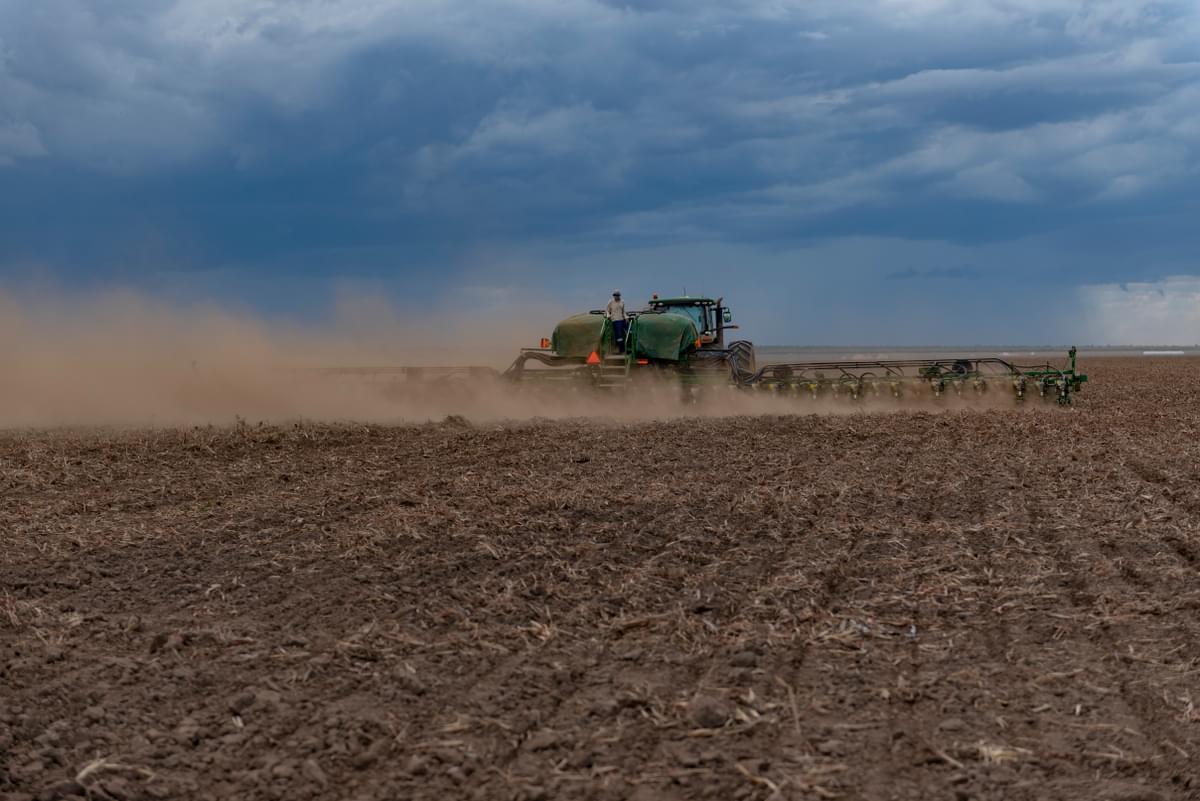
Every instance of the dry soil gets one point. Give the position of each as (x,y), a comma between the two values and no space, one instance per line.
(981,604)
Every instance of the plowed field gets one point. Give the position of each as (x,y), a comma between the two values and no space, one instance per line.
(987,604)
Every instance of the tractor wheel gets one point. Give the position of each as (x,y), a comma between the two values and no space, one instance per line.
(741,353)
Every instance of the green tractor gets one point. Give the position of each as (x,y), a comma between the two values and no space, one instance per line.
(683,337)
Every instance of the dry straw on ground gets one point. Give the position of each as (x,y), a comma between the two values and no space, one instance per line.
(991,604)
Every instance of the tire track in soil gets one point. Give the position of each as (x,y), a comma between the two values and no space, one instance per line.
(753,577)
(1178,619)
(1104,642)
(821,736)
(502,690)
(998,544)
(672,765)
(827,736)
(1179,496)
(903,739)
(987,647)
(494,711)
(1163,495)
(506,686)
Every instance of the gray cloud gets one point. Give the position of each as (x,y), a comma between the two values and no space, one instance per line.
(19,140)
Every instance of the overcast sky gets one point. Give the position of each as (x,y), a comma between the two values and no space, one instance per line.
(901,171)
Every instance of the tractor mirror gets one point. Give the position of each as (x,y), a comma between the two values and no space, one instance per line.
(728,316)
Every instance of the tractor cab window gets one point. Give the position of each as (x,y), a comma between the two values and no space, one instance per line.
(699,316)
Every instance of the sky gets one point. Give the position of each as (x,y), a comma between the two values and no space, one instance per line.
(841,171)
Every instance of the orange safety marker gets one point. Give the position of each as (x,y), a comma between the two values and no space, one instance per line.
(594,358)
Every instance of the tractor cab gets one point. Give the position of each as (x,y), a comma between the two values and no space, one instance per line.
(710,317)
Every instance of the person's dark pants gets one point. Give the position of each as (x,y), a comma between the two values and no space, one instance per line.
(619,329)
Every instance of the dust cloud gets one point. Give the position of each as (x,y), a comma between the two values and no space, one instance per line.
(126,359)
(122,358)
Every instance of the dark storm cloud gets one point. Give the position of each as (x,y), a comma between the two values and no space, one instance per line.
(366,137)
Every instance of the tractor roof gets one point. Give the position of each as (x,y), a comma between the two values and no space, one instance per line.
(684,301)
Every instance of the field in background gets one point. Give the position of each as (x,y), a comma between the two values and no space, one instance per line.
(983,604)
(1015,354)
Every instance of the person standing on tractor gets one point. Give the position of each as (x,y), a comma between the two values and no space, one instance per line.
(616,313)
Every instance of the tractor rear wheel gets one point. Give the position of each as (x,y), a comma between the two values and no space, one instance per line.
(741,353)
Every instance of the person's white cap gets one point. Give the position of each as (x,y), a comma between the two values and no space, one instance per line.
(616,292)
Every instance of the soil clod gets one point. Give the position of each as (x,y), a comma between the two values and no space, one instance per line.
(708,712)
